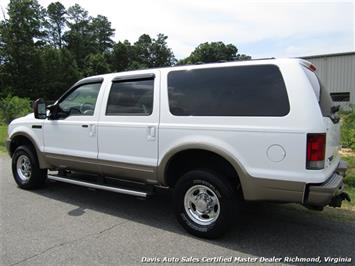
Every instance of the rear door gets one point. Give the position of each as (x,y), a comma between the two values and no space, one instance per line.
(128,127)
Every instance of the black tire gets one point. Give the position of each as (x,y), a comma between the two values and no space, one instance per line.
(217,186)
(37,176)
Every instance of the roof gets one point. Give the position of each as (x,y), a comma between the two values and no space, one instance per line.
(190,67)
(327,55)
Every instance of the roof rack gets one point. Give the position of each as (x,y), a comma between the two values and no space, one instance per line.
(265,58)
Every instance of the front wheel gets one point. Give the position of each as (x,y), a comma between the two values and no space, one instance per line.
(204,203)
(25,169)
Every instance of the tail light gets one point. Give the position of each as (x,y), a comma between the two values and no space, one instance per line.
(315,151)
(312,67)
(308,65)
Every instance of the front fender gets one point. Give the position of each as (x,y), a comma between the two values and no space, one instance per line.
(37,143)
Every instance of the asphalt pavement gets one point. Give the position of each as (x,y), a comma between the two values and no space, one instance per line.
(64,224)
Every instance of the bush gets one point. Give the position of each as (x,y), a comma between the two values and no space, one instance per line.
(348,128)
(12,107)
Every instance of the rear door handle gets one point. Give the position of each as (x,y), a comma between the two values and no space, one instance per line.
(85,126)
(151,133)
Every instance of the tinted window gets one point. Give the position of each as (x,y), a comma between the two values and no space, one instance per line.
(133,97)
(323,96)
(228,91)
(82,100)
(325,101)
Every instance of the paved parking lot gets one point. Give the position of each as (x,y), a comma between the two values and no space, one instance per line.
(64,224)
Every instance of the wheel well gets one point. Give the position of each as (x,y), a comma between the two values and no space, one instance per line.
(18,141)
(187,160)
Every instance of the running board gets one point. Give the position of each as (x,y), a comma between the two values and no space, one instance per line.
(96,186)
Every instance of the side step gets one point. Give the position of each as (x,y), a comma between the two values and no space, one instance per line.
(96,186)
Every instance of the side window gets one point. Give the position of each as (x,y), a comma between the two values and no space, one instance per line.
(228,91)
(81,101)
(131,97)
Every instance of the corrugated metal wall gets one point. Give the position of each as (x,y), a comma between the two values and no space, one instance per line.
(337,72)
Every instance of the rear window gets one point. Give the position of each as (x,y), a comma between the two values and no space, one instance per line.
(228,91)
(324,99)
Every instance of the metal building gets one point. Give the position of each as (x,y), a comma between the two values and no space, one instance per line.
(337,73)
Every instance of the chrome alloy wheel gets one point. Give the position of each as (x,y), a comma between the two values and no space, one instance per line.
(24,168)
(202,205)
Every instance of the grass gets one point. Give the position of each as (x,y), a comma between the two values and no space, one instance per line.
(3,136)
(349,179)
(350,174)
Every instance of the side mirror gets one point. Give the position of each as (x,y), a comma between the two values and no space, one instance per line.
(40,109)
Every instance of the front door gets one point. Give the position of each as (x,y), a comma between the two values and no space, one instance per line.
(70,140)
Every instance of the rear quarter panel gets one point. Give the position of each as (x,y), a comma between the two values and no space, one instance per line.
(247,139)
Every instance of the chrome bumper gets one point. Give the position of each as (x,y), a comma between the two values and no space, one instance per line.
(331,192)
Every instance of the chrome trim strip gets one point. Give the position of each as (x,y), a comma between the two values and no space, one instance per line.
(90,185)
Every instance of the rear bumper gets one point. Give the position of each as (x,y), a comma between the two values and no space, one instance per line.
(331,192)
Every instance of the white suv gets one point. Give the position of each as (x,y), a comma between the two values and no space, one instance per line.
(216,134)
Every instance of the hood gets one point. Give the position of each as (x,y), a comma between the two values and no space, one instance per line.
(27,118)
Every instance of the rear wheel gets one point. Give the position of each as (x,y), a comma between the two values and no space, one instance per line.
(204,203)
(25,168)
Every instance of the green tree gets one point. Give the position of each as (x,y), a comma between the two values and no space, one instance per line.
(96,64)
(101,33)
(60,71)
(55,23)
(5,77)
(79,38)
(142,51)
(161,54)
(150,52)
(213,52)
(77,15)
(42,52)
(22,36)
(121,56)
(86,35)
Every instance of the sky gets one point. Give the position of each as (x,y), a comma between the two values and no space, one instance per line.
(258,28)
